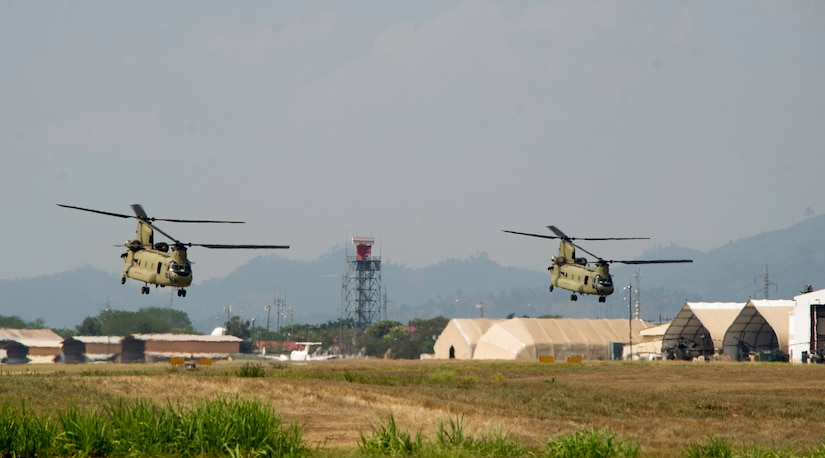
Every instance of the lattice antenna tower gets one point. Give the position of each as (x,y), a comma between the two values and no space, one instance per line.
(361,285)
(766,284)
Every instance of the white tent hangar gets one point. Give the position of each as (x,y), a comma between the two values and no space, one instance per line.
(460,336)
(701,326)
(531,338)
(761,328)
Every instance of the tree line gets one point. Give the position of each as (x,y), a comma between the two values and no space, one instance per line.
(391,339)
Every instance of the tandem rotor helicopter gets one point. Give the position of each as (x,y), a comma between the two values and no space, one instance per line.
(575,274)
(162,264)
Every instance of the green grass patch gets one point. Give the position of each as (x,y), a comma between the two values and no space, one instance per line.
(250,369)
(223,427)
(590,443)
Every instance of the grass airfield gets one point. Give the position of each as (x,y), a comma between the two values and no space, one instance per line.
(666,407)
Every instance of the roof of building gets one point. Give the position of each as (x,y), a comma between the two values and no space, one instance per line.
(186,338)
(99,339)
(43,338)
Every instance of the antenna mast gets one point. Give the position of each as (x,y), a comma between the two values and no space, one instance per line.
(766,284)
(637,276)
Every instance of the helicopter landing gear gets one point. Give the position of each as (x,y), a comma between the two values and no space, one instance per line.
(122,280)
(574,298)
(551,288)
(602,299)
(144,290)
(181,292)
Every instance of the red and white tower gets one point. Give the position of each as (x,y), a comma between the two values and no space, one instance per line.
(361,289)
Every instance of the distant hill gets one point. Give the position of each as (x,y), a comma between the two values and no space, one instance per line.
(453,288)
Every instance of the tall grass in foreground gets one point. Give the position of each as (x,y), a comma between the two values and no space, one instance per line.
(451,441)
(138,428)
(589,443)
(714,447)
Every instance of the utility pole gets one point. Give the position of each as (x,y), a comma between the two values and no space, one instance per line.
(267,308)
(629,289)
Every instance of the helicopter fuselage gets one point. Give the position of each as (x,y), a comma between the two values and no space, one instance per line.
(575,275)
(154,266)
(581,279)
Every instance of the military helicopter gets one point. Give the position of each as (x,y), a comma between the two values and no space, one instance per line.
(162,264)
(575,274)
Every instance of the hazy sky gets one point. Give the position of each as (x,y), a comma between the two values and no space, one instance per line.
(430,125)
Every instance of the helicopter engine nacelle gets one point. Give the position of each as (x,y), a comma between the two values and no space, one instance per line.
(162,246)
(133,245)
(559,260)
(581,261)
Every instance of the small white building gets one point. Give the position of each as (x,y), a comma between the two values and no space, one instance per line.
(807,326)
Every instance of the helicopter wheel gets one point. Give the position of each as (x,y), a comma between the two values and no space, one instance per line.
(602,299)
(551,288)
(181,292)
(144,290)
(122,280)
(574,298)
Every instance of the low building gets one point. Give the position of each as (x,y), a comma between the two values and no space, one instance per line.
(44,345)
(101,348)
(159,347)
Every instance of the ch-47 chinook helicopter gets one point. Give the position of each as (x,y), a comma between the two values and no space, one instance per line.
(162,264)
(576,275)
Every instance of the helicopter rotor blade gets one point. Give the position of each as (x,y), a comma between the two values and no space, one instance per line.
(157,229)
(141,214)
(238,247)
(531,235)
(119,215)
(558,232)
(654,261)
(591,254)
(564,236)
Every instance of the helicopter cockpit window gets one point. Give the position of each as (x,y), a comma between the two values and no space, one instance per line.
(180,269)
(604,281)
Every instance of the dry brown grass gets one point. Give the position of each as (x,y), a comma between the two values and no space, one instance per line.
(663,406)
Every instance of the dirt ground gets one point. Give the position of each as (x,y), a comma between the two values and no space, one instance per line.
(664,406)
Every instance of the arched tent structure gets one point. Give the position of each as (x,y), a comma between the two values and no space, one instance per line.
(531,338)
(459,338)
(699,328)
(760,328)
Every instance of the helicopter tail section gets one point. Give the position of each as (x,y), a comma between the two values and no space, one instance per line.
(144,234)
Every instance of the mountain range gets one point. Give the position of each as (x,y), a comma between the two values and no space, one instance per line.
(775,264)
